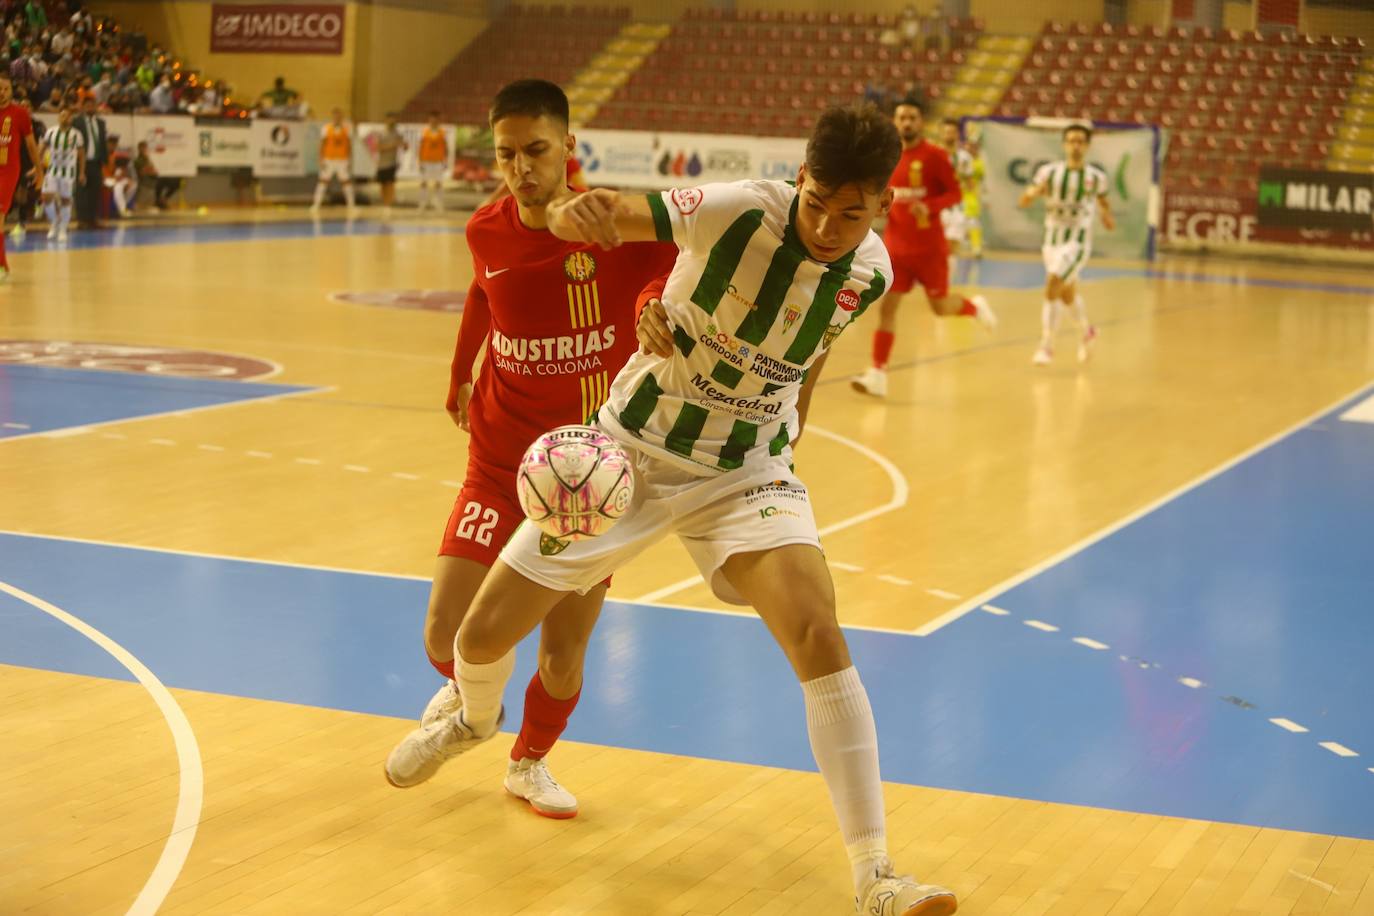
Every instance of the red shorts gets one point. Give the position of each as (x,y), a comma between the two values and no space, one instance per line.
(485,515)
(929,268)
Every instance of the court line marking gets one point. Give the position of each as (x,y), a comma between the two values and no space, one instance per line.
(191,790)
(343,570)
(901,492)
(1102,533)
(163,414)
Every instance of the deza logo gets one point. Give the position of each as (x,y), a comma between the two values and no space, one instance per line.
(587,156)
(679,164)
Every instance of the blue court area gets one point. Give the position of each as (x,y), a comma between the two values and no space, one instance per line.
(39,399)
(1141,674)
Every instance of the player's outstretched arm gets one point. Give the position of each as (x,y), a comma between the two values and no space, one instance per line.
(36,157)
(472,331)
(1030,194)
(1108,218)
(602,217)
(804,396)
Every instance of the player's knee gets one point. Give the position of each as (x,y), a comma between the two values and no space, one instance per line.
(561,668)
(814,639)
(478,635)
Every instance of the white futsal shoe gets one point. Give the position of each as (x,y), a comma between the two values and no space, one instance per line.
(421,753)
(985,316)
(531,780)
(873,381)
(1043,356)
(1085,346)
(890,895)
(444,703)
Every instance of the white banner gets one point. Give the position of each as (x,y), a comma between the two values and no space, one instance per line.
(641,159)
(278,148)
(225,146)
(1013,152)
(172,143)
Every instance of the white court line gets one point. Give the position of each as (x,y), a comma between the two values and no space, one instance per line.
(257,454)
(1090,540)
(1091,643)
(996,611)
(941,593)
(1362,412)
(16,426)
(210,448)
(1289,725)
(900,493)
(1340,750)
(1311,880)
(1041,626)
(401,475)
(165,413)
(191,792)
(1193,682)
(893,580)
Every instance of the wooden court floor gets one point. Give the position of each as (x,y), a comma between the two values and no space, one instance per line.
(975,469)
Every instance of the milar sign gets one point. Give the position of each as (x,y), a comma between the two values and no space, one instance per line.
(1302,199)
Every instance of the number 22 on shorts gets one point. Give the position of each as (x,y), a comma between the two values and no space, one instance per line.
(477,523)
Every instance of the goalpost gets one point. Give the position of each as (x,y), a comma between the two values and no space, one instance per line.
(1013,148)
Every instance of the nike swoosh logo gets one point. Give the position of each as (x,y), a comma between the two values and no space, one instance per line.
(495,273)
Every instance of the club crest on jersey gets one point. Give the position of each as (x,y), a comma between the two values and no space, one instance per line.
(789,317)
(847,299)
(579,266)
(686,200)
(914,174)
(830,334)
(550,546)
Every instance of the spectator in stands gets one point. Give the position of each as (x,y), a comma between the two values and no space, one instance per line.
(35,14)
(281,101)
(103,90)
(161,100)
(61,43)
(911,26)
(146,74)
(209,101)
(54,101)
(94,136)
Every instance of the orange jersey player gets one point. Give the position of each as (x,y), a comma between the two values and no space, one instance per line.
(433,164)
(558,321)
(336,158)
(925,184)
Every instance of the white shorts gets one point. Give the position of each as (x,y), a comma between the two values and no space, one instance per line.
(432,171)
(953,221)
(335,168)
(58,187)
(750,509)
(1066,260)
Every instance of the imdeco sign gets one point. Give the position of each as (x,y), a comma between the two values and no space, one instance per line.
(277,28)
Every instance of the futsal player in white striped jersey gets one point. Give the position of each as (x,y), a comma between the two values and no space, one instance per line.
(768,275)
(66,151)
(1074,192)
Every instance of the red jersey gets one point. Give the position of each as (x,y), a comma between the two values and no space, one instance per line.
(924,166)
(15,125)
(560,317)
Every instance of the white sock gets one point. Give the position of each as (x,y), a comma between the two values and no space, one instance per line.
(439,197)
(319,193)
(1049,321)
(844,741)
(64,217)
(348,195)
(424,195)
(482,687)
(50,208)
(1080,310)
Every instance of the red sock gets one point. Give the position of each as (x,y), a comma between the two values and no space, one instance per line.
(969,309)
(4,261)
(444,668)
(545,719)
(882,348)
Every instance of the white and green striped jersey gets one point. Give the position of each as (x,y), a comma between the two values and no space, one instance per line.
(63,145)
(751,311)
(1071,196)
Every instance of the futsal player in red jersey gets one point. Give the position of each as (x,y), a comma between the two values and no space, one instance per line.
(15,127)
(925,184)
(558,319)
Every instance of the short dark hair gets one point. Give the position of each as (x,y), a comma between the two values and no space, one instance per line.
(531,98)
(951,122)
(914,101)
(1082,128)
(856,145)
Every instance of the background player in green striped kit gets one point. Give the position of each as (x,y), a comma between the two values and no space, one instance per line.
(66,149)
(767,276)
(1073,192)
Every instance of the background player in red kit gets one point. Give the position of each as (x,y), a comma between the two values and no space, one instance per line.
(925,184)
(15,127)
(559,320)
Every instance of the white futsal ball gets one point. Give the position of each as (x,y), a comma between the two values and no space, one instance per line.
(574,482)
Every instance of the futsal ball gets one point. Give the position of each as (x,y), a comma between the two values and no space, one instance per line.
(574,482)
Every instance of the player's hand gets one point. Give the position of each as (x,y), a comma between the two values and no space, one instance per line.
(587,217)
(1108,222)
(1025,199)
(654,332)
(38,179)
(920,211)
(460,416)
